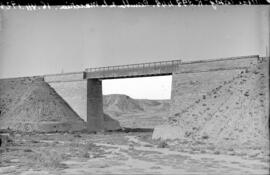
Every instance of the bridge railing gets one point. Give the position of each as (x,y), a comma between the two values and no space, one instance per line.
(135,66)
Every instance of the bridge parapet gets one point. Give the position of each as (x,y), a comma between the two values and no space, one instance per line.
(133,70)
(64,77)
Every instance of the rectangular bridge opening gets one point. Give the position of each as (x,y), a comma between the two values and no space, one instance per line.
(137,103)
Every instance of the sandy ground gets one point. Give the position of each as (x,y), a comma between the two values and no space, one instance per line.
(122,153)
(142,119)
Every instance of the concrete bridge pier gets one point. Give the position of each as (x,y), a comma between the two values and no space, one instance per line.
(95,119)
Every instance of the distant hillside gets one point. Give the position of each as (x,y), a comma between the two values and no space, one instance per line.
(136,113)
(120,104)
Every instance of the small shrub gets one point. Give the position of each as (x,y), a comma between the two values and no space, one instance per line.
(104,166)
(230,149)
(47,159)
(5,140)
(187,134)
(28,150)
(217,152)
(205,137)
(155,167)
(131,147)
(148,145)
(211,147)
(198,142)
(174,120)
(77,135)
(84,154)
(162,144)
(194,128)
(232,153)
(202,151)
(34,141)
(90,146)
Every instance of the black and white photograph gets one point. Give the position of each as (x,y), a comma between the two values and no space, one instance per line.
(148,90)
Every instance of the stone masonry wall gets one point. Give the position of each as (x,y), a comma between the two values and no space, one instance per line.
(75,94)
(72,87)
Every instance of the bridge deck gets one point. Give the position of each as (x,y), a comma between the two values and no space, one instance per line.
(133,70)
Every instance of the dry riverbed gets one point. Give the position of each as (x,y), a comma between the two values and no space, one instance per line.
(123,153)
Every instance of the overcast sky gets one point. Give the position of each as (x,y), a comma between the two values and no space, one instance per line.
(50,41)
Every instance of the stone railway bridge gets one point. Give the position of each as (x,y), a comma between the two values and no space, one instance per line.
(83,90)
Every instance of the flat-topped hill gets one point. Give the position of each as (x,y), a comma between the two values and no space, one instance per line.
(120,103)
(136,113)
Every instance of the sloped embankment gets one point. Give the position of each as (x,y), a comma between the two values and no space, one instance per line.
(30,104)
(235,113)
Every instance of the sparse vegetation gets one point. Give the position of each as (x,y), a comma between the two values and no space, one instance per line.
(45,158)
(205,137)
(163,144)
(217,152)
